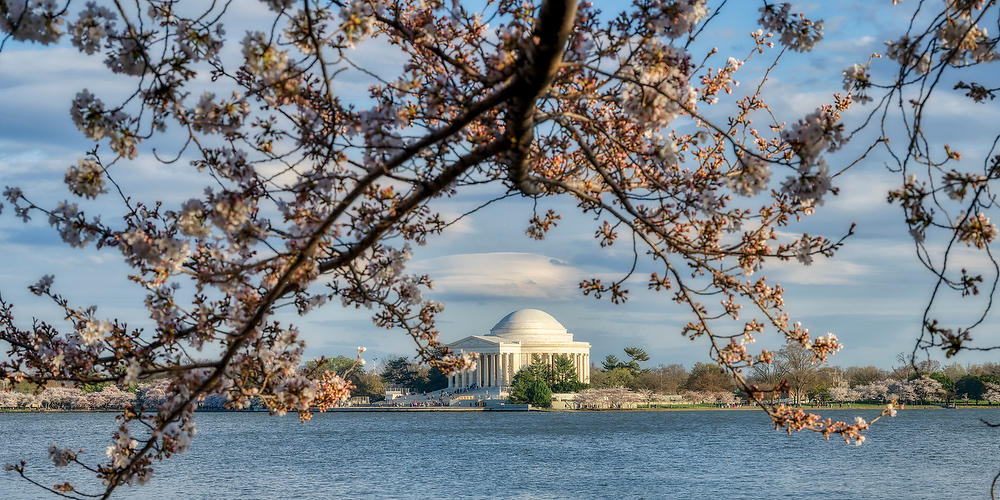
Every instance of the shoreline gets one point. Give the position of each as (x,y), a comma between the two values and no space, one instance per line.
(511,408)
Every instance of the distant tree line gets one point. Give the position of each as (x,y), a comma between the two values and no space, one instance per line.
(805,380)
(703,383)
(398,372)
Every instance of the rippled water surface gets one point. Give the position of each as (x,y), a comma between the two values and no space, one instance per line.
(919,454)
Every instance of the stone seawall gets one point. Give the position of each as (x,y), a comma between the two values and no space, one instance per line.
(430,408)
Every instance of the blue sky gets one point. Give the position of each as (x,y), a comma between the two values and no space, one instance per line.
(871,295)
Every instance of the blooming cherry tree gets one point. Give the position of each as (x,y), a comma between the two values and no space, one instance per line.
(309,199)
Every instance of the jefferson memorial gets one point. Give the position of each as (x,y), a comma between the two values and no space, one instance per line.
(512,344)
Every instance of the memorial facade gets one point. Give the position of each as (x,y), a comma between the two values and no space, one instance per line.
(519,338)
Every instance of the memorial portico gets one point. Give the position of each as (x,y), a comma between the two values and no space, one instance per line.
(514,343)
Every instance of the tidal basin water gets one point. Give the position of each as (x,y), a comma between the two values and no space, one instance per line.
(691,454)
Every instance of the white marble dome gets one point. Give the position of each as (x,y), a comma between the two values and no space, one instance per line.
(519,339)
(531,324)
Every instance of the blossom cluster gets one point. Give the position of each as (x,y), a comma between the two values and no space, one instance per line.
(797,32)
(85,178)
(657,91)
(857,80)
(96,122)
(676,18)
(32,20)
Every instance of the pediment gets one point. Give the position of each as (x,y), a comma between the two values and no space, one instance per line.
(475,341)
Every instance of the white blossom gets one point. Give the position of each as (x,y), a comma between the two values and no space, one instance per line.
(93,331)
(132,373)
(815,133)
(179,436)
(32,20)
(263,58)
(969,42)
(358,19)
(230,213)
(810,185)
(60,457)
(12,193)
(121,452)
(278,5)
(128,56)
(856,80)
(797,32)
(224,117)
(977,230)
(197,44)
(68,220)
(42,286)
(803,251)
(752,178)
(95,122)
(191,220)
(85,178)
(166,253)
(92,28)
(676,18)
(658,91)
(992,393)
(904,50)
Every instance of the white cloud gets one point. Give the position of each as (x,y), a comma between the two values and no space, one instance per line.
(847,45)
(862,192)
(501,274)
(955,105)
(822,271)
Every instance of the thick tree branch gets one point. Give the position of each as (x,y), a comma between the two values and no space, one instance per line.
(536,71)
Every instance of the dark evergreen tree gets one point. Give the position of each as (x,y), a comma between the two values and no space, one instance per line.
(530,388)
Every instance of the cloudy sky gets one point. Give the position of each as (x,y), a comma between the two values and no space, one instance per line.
(871,295)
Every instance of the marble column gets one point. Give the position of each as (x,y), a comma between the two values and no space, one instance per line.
(491,376)
(487,358)
(504,364)
(508,372)
(502,380)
